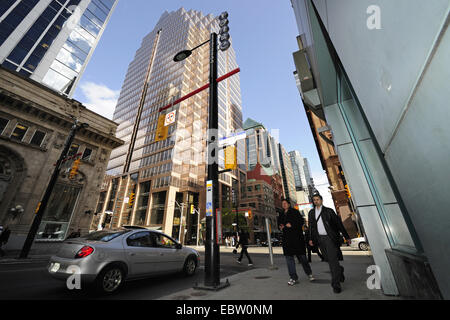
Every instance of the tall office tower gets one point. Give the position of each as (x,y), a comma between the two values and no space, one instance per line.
(261,147)
(51,41)
(168,177)
(287,174)
(302,174)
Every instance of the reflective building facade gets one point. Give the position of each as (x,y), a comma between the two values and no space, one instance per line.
(51,41)
(168,177)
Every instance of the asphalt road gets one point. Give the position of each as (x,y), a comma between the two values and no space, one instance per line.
(30,281)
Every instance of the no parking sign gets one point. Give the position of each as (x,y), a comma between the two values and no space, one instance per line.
(170,118)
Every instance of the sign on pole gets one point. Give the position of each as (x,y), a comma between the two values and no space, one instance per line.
(209,198)
(170,118)
(232,139)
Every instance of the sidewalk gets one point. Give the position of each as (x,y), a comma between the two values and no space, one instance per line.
(261,283)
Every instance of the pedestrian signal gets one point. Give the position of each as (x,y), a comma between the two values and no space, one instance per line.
(230,158)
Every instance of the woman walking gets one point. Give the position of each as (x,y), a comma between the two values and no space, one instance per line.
(290,223)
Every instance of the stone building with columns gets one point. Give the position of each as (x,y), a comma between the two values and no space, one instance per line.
(34,124)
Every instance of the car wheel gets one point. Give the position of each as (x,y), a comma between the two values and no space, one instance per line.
(110,279)
(363,246)
(190,266)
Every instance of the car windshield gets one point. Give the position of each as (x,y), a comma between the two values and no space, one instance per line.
(105,235)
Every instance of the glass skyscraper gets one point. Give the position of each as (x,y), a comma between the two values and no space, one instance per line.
(168,177)
(51,41)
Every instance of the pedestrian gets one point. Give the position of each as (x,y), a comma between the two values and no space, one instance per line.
(4,237)
(227,241)
(290,222)
(243,242)
(311,249)
(325,230)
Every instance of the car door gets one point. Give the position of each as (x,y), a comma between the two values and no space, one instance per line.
(171,258)
(142,253)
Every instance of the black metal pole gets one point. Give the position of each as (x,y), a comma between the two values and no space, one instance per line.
(39,214)
(212,254)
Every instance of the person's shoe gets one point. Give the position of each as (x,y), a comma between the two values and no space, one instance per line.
(337,290)
(250,264)
(311,277)
(292,282)
(238,261)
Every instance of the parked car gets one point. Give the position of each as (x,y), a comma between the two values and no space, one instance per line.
(360,243)
(107,258)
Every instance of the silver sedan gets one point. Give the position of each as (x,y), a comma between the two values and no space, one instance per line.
(107,258)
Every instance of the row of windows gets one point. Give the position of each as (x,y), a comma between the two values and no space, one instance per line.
(20,130)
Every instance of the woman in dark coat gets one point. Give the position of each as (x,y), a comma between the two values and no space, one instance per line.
(290,222)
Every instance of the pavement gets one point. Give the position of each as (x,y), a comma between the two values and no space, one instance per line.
(262,283)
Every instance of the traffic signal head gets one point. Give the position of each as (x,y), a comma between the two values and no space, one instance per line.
(347,190)
(223,33)
(192,209)
(74,169)
(131,199)
(250,215)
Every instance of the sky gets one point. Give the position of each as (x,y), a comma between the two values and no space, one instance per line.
(264,37)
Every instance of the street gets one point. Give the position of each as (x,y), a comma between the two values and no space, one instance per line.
(31,281)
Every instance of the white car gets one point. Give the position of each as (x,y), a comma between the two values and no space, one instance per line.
(360,243)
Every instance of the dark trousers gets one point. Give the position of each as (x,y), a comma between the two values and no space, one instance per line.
(290,261)
(330,250)
(244,251)
(313,249)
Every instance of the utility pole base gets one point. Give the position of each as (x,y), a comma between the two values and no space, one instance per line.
(219,287)
(273,268)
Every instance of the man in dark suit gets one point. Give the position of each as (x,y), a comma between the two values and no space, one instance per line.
(325,228)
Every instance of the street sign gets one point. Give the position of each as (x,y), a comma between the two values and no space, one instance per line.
(170,118)
(209,198)
(232,139)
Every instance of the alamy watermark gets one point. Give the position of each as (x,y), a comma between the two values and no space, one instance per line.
(374,19)
(374,280)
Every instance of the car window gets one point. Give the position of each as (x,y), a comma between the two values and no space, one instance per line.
(104,236)
(141,239)
(164,242)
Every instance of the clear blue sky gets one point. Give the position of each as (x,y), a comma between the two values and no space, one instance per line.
(264,38)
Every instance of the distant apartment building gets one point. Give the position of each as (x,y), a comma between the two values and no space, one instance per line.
(167,178)
(52,41)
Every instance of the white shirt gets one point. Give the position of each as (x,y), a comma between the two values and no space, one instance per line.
(320,227)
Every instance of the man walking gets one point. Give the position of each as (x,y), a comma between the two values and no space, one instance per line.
(290,222)
(324,230)
(243,242)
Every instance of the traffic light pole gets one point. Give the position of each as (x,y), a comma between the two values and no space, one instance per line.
(40,212)
(212,254)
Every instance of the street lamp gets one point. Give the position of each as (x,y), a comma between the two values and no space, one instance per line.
(43,204)
(212,249)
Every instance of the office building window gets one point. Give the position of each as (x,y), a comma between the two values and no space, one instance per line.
(37,139)
(3,124)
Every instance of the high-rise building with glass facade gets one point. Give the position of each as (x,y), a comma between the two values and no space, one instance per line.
(287,174)
(168,177)
(51,41)
(261,147)
(302,173)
